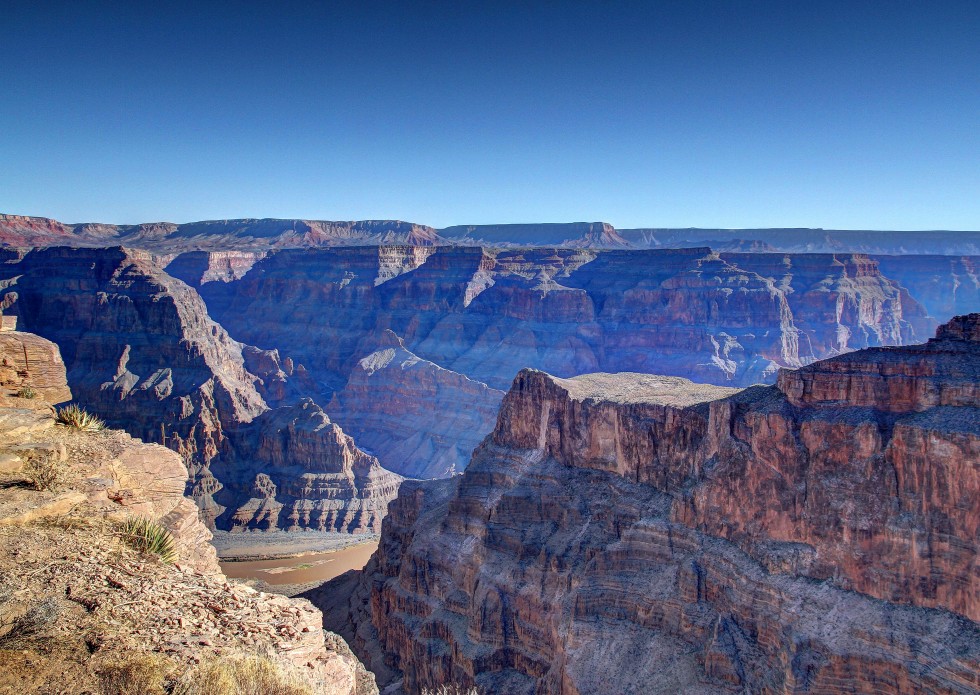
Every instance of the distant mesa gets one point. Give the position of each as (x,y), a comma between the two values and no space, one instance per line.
(261,235)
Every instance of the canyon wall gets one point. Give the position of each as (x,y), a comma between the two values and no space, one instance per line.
(423,419)
(143,353)
(485,314)
(635,533)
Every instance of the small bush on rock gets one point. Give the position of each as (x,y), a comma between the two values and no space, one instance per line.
(450,690)
(79,419)
(46,472)
(32,623)
(27,392)
(148,536)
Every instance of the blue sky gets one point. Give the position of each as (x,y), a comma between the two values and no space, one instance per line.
(712,114)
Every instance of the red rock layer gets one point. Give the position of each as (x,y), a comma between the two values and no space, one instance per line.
(616,536)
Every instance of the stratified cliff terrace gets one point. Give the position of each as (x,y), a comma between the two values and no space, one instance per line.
(632,533)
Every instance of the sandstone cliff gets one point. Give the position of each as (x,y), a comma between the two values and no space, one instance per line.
(264,234)
(139,346)
(79,606)
(632,533)
(214,235)
(420,420)
(293,469)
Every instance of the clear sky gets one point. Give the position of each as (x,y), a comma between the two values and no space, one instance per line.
(843,114)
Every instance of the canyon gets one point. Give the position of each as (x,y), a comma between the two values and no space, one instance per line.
(208,341)
(142,352)
(630,532)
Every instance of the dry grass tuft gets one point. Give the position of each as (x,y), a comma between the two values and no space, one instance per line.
(149,537)
(28,392)
(450,690)
(79,419)
(134,674)
(46,472)
(253,675)
(38,617)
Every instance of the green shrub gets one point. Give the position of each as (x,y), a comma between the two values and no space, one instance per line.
(450,690)
(148,536)
(27,392)
(79,419)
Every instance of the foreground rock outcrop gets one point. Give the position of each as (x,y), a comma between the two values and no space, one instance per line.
(80,609)
(632,533)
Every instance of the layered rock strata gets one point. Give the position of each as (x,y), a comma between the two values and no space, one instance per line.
(143,353)
(632,533)
(422,420)
(264,234)
(293,469)
(139,345)
(28,360)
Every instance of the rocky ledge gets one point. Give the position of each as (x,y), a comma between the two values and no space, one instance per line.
(80,609)
(616,535)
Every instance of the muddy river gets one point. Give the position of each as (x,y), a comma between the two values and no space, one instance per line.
(315,567)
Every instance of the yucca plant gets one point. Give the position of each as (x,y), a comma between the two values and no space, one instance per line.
(27,392)
(150,537)
(79,419)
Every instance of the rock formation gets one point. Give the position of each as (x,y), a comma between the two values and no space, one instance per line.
(28,360)
(215,235)
(143,353)
(106,605)
(293,469)
(944,285)
(634,533)
(591,235)
(420,420)
(139,346)
(803,240)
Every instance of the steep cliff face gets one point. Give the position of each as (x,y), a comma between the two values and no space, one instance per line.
(28,360)
(637,533)
(197,268)
(139,346)
(293,469)
(484,314)
(945,285)
(420,420)
(143,353)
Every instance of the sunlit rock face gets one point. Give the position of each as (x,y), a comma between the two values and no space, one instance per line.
(293,469)
(633,533)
